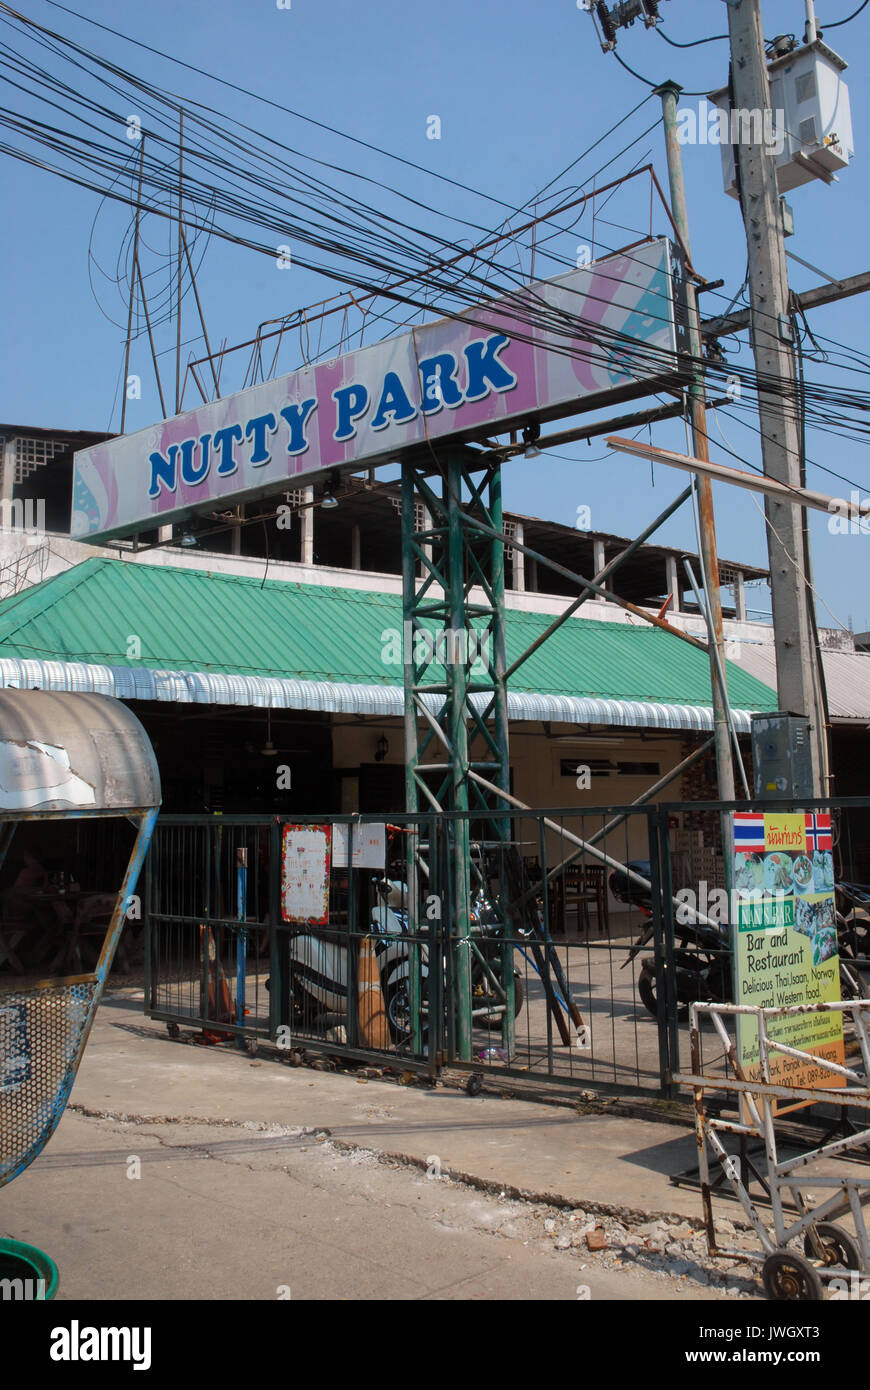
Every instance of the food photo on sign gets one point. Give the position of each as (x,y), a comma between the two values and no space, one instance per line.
(785,940)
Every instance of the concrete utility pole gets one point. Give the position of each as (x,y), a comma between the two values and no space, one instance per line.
(669,93)
(777,386)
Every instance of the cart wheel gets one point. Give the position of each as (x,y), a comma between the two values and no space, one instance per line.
(252,1047)
(789,1277)
(840,1248)
(173,1030)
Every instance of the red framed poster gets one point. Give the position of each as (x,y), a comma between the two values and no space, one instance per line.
(306,856)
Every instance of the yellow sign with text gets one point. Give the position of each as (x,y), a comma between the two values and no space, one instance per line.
(785,943)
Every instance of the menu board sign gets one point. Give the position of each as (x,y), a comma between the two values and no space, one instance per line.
(305,863)
(369,846)
(785,941)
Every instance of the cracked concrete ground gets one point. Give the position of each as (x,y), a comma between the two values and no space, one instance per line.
(218,1212)
(187,1172)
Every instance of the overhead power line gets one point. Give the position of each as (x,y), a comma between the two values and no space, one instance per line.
(323,125)
(838,23)
(317,187)
(533,314)
(694,43)
(257,96)
(240,183)
(705,91)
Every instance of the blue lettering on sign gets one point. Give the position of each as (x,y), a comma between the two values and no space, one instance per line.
(258,427)
(190,474)
(394,405)
(163,471)
(439,387)
(351,402)
(297,418)
(485,373)
(484,366)
(223,441)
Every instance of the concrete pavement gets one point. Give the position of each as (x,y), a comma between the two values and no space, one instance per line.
(132,1068)
(181,1171)
(217,1212)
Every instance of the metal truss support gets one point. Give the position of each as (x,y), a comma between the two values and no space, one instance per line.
(456,727)
(455,697)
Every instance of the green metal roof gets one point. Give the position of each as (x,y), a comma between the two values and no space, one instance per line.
(230,625)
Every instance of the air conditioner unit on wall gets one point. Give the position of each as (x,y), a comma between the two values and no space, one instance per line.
(812,119)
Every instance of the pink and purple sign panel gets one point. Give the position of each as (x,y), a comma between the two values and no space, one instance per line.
(595,332)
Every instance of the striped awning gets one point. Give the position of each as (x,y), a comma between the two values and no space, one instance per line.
(138,631)
(336,697)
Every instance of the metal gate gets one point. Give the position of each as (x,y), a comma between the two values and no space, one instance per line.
(580,980)
(572,971)
(546,989)
(208,909)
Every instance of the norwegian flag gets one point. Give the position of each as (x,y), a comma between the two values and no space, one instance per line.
(818,831)
(748,832)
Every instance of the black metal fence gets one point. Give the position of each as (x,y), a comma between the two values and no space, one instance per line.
(573,962)
(546,989)
(208,911)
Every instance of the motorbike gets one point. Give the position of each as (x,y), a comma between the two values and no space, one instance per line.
(319,966)
(702,958)
(702,952)
(853,921)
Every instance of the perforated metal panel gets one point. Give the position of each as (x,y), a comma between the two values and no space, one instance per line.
(42,1031)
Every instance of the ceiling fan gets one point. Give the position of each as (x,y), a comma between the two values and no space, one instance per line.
(270,749)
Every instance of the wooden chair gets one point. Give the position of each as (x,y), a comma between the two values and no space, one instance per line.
(596,879)
(555,909)
(92,921)
(580,887)
(26,936)
(12,933)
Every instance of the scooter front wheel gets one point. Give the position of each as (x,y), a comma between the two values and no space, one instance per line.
(304,1010)
(398,1004)
(646,988)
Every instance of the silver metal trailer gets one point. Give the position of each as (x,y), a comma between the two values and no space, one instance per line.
(802,1251)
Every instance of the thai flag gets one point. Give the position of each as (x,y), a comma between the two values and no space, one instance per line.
(818,831)
(748,832)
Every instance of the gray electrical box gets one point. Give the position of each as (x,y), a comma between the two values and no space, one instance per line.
(781,755)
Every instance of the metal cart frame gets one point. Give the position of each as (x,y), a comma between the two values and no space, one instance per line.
(829,1251)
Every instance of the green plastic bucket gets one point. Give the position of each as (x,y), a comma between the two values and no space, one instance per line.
(26,1273)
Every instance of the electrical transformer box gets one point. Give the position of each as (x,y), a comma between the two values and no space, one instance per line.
(808,129)
(781,755)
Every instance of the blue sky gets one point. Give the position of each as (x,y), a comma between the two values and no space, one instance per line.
(521,90)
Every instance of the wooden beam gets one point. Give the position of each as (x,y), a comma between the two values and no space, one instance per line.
(753,482)
(810,299)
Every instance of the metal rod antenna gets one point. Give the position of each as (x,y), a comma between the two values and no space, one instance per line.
(201,315)
(132,285)
(156,364)
(180,247)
